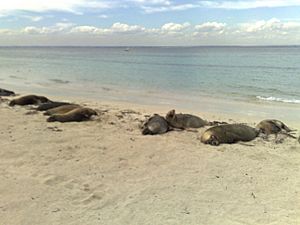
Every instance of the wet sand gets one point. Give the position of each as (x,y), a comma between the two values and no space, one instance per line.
(105,172)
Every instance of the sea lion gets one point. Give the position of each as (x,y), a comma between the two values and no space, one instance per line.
(155,125)
(4,92)
(184,121)
(61,109)
(50,105)
(75,115)
(229,133)
(268,127)
(29,100)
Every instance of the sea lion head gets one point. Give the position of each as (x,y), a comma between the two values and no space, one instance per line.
(42,99)
(145,131)
(87,112)
(171,115)
(51,119)
(12,103)
(209,138)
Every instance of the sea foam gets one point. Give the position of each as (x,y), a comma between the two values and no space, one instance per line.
(274,99)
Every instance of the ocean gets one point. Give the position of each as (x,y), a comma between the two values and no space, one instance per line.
(207,78)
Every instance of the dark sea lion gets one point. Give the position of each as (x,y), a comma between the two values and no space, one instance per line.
(184,121)
(61,109)
(4,92)
(268,127)
(76,115)
(155,125)
(29,100)
(50,105)
(229,133)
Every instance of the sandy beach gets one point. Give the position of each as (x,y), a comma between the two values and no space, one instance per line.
(105,172)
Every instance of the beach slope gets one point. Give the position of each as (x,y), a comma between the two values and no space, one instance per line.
(105,172)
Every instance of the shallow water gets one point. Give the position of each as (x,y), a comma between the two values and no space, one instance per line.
(264,77)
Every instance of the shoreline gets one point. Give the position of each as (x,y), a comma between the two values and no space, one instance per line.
(228,108)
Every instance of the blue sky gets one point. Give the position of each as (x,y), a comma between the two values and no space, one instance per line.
(152,22)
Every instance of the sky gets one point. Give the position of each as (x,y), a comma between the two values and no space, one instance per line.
(149,22)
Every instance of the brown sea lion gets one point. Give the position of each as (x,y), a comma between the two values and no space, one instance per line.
(155,125)
(230,133)
(50,105)
(184,121)
(61,109)
(76,115)
(4,92)
(268,127)
(29,100)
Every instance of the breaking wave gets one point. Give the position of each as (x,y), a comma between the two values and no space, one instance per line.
(274,99)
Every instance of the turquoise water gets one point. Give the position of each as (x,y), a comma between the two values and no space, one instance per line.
(245,74)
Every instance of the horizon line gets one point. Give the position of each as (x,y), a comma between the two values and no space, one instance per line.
(141,46)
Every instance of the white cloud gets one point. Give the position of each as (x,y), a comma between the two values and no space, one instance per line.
(77,6)
(36,30)
(271,31)
(86,29)
(249,4)
(6,32)
(151,2)
(53,5)
(172,7)
(33,18)
(147,6)
(116,28)
(57,28)
(125,28)
(270,26)
(174,27)
(210,29)
(210,26)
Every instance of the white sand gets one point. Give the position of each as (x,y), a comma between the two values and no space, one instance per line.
(105,172)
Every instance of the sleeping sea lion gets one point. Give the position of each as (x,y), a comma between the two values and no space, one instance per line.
(61,109)
(75,115)
(50,105)
(4,92)
(184,121)
(29,100)
(268,127)
(155,125)
(230,133)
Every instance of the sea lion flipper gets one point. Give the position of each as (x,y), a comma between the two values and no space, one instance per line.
(289,135)
(216,123)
